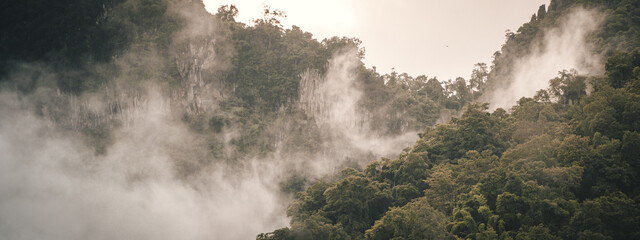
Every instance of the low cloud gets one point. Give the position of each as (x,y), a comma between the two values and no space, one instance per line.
(53,186)
(562,47)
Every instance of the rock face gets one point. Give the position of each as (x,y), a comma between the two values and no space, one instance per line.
(196,93)
(337,128)
(332,100)
(312,94)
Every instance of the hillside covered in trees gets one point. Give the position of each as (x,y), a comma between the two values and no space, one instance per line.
(562,164)
(252,75)
(161,108)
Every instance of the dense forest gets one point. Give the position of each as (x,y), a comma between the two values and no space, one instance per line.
(561,164)
(251,73)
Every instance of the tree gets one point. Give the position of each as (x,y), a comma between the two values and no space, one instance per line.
(272,17)
(434,90)
(416,220)
(479,77)
(622,67)
(539,232)
(348,204)
(568,87)
(227,13)
(614,215)
(442,188)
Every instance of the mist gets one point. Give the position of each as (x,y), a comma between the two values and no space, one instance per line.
(332,101)
(55,186)
(564,47)
(137,155)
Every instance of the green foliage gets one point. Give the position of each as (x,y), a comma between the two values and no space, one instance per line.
(546,170)
(352,203)
(622,68)
(415,220)
(539,232)
(568,87)
(614,216)
(475,130)
(563,164)
(619,34)
(560,165)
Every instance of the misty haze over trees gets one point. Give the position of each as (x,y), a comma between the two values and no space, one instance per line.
(154,119)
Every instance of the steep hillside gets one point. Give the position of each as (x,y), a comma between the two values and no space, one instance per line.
(141,119)
(569,34)
(137,104)
(559,164)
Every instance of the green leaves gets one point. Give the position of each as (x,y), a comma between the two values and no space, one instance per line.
(348,202)
(416,220)
(614,215)
(475,130)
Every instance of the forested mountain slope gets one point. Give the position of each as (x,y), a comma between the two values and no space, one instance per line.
(125,115)
(117,104)
(562,164)
(219,73)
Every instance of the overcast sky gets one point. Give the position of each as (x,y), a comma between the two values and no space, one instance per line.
(430,37)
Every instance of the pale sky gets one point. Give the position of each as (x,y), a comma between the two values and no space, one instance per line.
(430,37)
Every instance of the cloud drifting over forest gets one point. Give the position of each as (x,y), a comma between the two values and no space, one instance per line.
(563,47)
(54,187)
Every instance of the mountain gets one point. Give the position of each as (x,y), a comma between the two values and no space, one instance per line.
(156,119)
(558,164)
(143,102)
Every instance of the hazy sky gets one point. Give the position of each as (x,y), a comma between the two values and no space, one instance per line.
(430,37)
